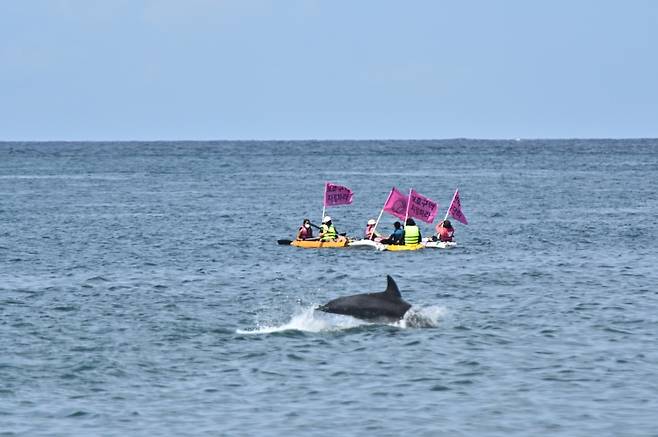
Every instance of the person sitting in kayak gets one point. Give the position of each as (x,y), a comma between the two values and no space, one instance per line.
(305,232)
(397,237)
(328,231)
(444,231)
(411,232)
(370,232)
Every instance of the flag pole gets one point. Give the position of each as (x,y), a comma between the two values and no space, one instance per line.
(382,212)
(406,213)
(324,199)
(450,205)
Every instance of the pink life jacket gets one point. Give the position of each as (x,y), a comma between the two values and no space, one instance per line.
(305,233)
(445,234)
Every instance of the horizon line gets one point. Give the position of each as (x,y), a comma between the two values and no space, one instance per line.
(323,139)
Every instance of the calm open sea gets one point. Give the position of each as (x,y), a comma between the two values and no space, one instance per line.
(142,291)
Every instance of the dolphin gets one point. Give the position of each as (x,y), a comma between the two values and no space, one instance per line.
(387,305)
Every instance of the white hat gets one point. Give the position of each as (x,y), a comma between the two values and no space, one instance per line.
(326,219)
(372,221)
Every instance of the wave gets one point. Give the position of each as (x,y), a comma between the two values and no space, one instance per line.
(309,320)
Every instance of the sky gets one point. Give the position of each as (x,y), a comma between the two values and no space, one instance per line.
(327,69)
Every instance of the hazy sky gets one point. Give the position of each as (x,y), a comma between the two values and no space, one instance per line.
(305,69)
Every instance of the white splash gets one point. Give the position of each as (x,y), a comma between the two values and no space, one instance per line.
(423,317)
(309,320)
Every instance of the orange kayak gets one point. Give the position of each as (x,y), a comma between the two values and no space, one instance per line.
(317,244)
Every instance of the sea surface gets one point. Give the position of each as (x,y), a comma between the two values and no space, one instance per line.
(143,292)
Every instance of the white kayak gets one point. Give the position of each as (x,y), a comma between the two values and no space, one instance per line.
(366,244)
(439,244)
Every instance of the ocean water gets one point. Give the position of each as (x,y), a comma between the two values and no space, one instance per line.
(142,291)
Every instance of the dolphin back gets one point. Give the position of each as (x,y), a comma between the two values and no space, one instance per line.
(387,304)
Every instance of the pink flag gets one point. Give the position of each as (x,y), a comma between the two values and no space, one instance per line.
(455,209)
(337,195)
(421,207)
(396,203)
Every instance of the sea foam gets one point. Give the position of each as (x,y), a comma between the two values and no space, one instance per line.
(309,320)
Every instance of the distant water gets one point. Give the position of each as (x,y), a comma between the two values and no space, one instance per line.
(142,291)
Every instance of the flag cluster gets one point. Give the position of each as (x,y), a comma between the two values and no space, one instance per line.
(414,205)
(400,205)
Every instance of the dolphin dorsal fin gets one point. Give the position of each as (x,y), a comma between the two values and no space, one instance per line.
(392,289)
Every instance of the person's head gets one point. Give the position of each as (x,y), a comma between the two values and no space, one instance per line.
(447,224)
(372,222)
(326,219)
(307,223)
(410,222)
(397,225)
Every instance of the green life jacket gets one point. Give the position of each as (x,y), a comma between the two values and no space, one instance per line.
(411,234)
(328,233)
